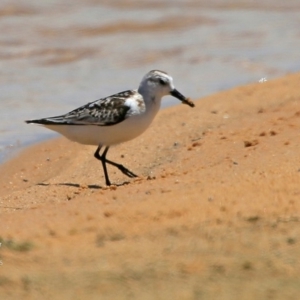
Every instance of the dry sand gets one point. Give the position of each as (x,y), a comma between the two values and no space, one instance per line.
(215,214)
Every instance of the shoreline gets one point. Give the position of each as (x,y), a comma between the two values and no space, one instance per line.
(217,198)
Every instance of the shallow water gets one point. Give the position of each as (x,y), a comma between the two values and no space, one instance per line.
(58,55)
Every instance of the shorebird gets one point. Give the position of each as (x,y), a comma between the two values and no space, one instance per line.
(115,119)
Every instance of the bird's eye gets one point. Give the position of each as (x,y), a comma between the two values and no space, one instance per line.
(162,82)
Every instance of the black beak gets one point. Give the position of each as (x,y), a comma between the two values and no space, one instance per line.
(183,99)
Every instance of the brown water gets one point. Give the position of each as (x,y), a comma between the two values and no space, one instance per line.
(57,55)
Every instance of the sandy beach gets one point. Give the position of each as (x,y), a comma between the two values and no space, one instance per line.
(214,214)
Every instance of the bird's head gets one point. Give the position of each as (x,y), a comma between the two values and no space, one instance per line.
(159,84)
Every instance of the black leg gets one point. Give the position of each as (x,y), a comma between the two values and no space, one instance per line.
(103,159)
(96,154)
(104,166)
(124,170)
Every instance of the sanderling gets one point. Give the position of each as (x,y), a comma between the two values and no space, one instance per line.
(117,118)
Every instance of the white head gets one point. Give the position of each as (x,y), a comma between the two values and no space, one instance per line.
(157,84)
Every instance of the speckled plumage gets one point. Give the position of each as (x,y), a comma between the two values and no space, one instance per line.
(103,112)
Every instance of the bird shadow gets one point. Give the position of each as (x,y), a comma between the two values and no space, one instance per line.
(77,185)
(11,207)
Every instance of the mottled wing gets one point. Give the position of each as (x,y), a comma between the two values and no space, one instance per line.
(103,112)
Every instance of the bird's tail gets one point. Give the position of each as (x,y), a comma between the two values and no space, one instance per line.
(40,121)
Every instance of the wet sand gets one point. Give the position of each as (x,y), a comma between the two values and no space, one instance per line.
(214,215)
